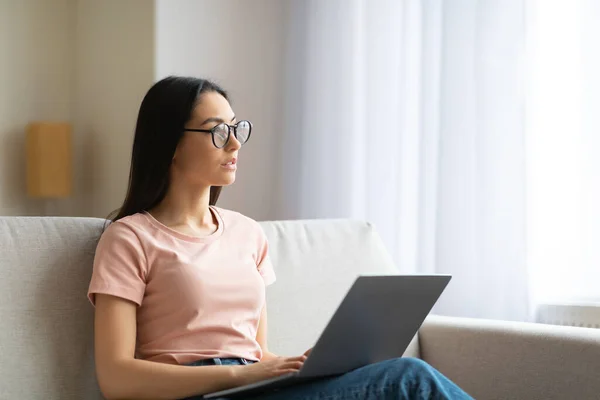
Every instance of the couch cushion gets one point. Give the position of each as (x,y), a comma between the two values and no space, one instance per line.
(46,339)
(316,262)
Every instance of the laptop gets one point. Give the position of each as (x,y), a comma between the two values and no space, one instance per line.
(376,321)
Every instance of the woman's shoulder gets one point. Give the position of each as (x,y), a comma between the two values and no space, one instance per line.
(236,219)
(126,226)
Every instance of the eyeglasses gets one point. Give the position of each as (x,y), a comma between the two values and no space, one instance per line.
(221,133)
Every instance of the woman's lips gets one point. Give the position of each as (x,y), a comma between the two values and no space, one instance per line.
(231,165)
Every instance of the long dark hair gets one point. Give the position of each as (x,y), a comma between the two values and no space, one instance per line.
(166,108)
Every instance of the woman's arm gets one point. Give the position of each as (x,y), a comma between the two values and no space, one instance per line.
(261,336)
(121,376)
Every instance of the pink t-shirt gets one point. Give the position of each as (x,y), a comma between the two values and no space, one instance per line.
(198,297)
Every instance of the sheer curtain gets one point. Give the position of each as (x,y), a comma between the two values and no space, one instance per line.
(563,140)
(410,114)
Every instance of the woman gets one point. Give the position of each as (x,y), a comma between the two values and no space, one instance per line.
(179,283)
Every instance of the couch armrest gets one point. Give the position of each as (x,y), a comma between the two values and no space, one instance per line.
(514,360)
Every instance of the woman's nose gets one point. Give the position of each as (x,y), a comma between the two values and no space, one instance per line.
(233,144)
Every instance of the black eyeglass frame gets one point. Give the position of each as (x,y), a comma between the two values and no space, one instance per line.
(229,128)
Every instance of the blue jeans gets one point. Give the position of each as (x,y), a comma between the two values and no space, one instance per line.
(395,379)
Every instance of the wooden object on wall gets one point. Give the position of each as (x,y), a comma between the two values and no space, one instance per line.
(49,159)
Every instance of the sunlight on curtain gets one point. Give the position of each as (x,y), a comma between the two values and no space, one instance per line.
(409,114)
(563,95)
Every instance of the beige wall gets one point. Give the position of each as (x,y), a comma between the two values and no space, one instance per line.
(36,68)
(114,69)
(92,61)
(239,44)
(84,61)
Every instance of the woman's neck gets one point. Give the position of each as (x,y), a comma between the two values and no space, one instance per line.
(186,210)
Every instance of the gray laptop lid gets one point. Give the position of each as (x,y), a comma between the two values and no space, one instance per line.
(376,321)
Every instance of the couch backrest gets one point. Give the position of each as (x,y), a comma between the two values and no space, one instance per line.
(46,331)
(316,262)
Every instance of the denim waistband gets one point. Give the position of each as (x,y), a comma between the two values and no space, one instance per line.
(221,361)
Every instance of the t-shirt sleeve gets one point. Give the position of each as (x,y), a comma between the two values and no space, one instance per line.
(120,266)
(264,265)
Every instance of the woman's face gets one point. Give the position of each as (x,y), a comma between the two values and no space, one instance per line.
(197,160)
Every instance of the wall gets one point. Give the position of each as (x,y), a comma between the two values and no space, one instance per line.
(114,69)
(36,67)
(91,62)
(240,45)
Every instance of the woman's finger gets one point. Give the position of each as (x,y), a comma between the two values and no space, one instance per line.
(286,371)
(297,358)
(292,364)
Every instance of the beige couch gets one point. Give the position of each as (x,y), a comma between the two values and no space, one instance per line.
(46,322)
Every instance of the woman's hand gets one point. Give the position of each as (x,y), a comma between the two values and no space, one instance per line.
(262,370)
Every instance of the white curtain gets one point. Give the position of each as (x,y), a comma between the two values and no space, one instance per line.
(410,114)
(466,130)
(563,142)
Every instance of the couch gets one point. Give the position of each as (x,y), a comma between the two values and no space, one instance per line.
(46,331)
